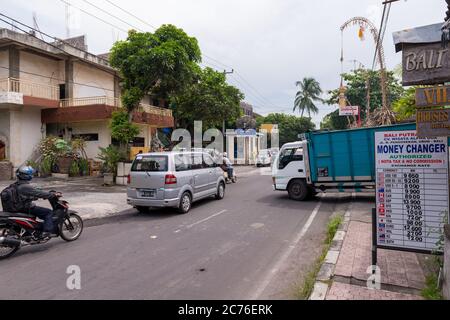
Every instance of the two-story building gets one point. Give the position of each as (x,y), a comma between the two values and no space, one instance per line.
(61,89)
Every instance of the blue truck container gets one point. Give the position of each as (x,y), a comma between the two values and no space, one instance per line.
(346,155)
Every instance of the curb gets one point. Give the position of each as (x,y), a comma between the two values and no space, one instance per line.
(326,272)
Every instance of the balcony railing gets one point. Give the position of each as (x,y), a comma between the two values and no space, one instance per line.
(29,88)
(113,102)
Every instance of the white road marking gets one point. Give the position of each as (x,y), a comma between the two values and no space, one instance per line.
(206,219)
(260,289)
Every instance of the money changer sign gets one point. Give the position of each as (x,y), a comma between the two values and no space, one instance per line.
(412,190)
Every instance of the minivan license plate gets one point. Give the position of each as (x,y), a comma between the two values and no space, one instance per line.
(147,193)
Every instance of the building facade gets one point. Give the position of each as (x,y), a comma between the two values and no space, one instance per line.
(62,90)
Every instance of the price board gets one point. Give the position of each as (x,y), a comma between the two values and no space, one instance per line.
(412,190)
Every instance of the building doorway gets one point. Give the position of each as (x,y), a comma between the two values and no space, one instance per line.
(2,150)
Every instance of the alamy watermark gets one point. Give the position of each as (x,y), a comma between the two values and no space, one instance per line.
(243,144)
(73,281)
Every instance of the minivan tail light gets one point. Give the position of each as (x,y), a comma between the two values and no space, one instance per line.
(171,179)
(129,179)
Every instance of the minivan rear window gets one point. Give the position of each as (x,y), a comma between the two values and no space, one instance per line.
(150,164)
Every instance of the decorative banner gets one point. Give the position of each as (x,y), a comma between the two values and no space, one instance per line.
(438,96)
(411,190)
(433,123)
(349,111)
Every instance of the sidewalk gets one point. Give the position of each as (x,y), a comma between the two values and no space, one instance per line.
(402,273)
(85,195)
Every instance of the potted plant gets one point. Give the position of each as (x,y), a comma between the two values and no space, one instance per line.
(83,165)
(45,167)
(64,156)
(110,157)
(123,131)
(74,170)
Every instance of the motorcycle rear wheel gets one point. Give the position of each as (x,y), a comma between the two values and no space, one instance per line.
(6,251)
(71,227)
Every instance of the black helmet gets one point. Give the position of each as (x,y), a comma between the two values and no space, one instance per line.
(25,173)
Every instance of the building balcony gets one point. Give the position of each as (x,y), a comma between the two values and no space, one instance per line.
(22,92)
(101,108)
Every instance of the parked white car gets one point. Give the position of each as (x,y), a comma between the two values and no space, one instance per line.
(264,158)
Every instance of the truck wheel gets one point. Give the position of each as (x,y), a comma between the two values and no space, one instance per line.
(298,190)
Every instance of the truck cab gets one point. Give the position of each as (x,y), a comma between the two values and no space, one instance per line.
(290,170)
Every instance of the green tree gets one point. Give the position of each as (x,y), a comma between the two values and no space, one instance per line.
(405,107)
(289,126)
(308,93)
(333,121)
(123,130)
(210,100)
(356,94)
(157,64)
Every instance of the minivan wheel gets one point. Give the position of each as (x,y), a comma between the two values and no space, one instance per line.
(220,191)
(185,203)
(298,190)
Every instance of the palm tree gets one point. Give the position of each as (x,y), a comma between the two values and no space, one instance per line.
(309,93)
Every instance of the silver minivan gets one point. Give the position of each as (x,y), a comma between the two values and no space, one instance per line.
(173,179)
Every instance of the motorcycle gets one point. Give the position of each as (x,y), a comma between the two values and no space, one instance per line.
(229,180)
(18,230)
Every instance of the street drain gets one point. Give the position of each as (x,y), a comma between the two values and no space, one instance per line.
(202,270)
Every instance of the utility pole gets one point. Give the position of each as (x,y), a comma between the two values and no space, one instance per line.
(68,19)
(225,72)
(447,17)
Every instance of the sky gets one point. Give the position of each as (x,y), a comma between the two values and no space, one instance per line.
(270,44)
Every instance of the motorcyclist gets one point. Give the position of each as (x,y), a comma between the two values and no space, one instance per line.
(28,193)
(228,166)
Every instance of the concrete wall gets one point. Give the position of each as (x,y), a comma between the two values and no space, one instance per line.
(25,134)
(40,69)
(145,133)
(4,129)
(4,63)
(95,78)
(99,127)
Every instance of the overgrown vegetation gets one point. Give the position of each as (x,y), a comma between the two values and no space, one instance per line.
(307,286)
(432,290)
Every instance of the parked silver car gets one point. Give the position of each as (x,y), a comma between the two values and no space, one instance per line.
(173,179)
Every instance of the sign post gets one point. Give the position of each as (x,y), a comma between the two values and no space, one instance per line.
(412,202)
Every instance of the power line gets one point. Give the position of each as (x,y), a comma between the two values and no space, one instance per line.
(204,55)
(47,35)
(48,43)
(257,93)
(111,15)
(382,30)
(57,79)
(254,89)
(95,17)
(131,14)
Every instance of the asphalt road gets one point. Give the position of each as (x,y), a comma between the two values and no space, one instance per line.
(254,244)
